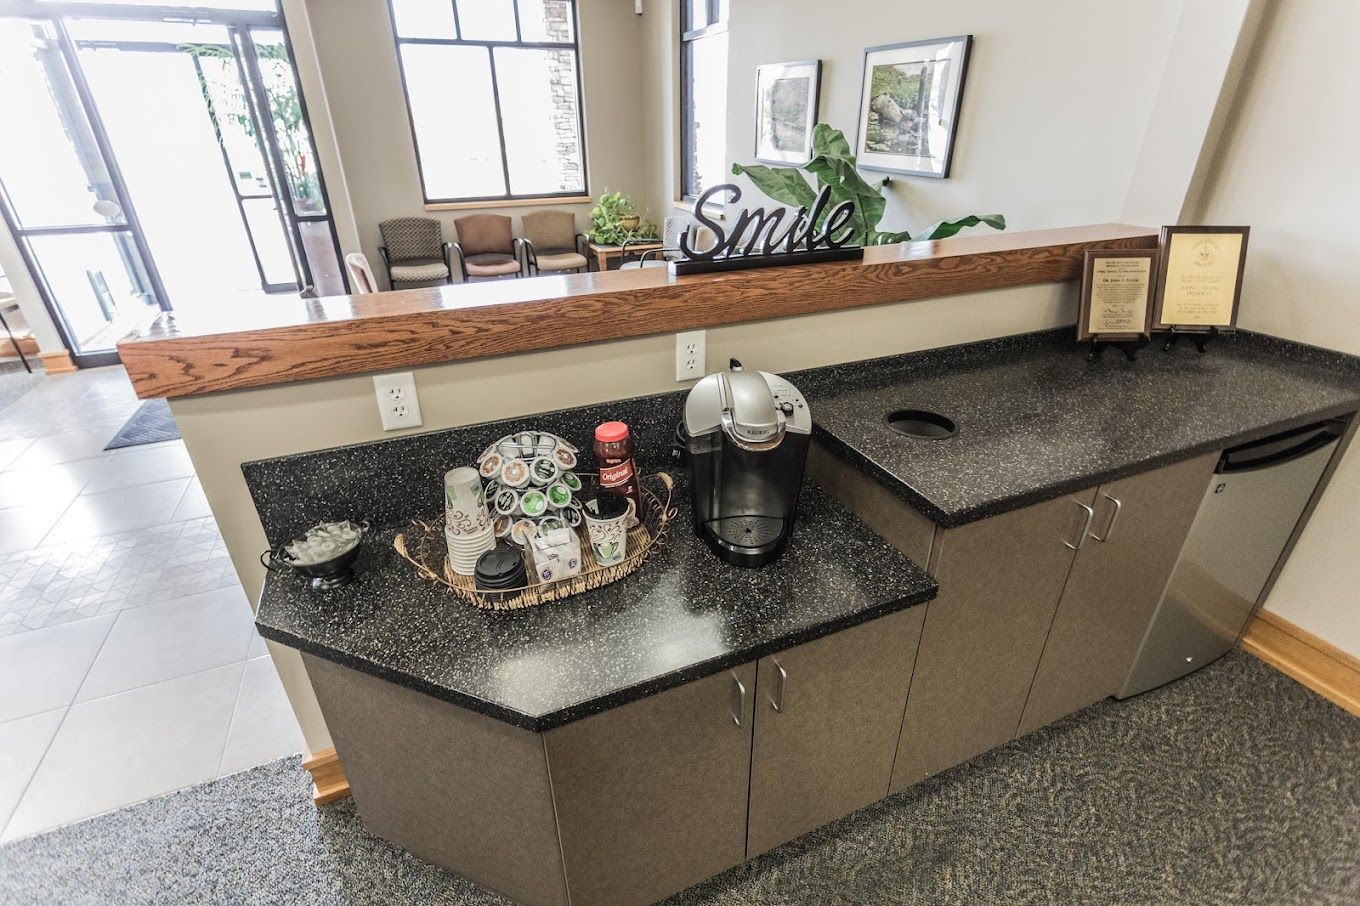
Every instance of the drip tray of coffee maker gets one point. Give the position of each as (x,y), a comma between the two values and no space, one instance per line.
(747,540)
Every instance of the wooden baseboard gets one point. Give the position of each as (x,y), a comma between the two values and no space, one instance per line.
(57,362)
(1302,656)
(329,782)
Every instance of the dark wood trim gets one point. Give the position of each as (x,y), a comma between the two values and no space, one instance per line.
(259,345)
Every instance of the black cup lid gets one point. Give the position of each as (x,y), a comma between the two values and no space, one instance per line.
(498,566)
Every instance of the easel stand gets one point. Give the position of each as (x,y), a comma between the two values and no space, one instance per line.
(1201,339)
(1128,347)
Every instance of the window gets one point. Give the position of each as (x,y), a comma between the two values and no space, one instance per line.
(493,88)
(703,95)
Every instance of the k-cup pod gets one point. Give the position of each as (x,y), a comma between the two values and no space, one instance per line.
(551,524)
(515,473)
(523,532)
(543,471)
(490,466)
(533,503)
(507,448)
(572,516)
(545,445)
(526,440)
(565,459)
(507,502)
(502,525)
(465,511)
(559,495)
(572,481)
(568,445)
(491,448)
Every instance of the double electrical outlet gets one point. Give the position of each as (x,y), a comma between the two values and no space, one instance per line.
(690,355)
(398,404)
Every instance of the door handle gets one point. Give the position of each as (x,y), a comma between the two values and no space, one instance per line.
(739,699)
(778,703)
(1114,517)
(1081,533)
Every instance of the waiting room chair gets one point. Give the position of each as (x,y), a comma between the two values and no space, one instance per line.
(360,274)
(414,251)
(11,305)
(672,229)
(551,242)
(486,247)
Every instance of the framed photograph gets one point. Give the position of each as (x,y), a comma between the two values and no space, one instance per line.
(1116,295)
(909,105)
(1199,277)
(786,110)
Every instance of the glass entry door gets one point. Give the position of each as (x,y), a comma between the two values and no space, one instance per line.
(174,164)
(63,200)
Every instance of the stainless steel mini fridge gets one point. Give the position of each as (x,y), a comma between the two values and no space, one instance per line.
(1256,498)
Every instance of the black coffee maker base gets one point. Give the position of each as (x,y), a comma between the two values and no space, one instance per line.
(765,538)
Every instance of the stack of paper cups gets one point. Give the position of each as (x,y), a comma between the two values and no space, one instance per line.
(467,523)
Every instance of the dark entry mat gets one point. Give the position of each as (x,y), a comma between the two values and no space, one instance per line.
(150,424)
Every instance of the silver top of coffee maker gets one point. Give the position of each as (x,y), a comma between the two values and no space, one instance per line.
(753,408)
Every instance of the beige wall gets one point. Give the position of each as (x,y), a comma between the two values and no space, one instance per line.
(1056,104)
(1287,168)
(357,60)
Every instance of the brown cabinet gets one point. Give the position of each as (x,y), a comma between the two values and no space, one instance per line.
(1136,533)
(651,797)
(827,718)
(1000,580)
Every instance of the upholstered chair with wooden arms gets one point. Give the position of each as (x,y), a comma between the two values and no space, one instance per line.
(414,252)
(486,247)
(551,242)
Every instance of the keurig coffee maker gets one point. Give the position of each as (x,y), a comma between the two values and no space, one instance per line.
(746,437)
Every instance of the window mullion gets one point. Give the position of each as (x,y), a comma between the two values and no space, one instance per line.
(519,32)
(457,25)
(500,120)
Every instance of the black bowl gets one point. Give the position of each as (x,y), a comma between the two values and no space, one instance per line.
(333,573)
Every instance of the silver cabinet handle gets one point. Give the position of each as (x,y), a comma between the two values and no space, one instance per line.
(1114,517)
(778,702)
(1081,535)
(740,700)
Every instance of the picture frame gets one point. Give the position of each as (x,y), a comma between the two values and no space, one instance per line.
(1117,295)
(1199,277)
(787,96)
(910,97)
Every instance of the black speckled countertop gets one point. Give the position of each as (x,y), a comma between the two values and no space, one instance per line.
(684,615)
(1036,420)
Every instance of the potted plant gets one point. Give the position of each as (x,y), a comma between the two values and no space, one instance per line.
(833,165)
(615,220)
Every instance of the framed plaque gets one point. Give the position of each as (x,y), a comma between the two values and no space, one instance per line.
(1116,295)
(1199,277)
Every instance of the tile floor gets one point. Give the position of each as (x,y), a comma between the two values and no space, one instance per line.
(129,664)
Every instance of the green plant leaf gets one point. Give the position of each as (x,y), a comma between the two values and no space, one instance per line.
(946,228)
(891,238)
(783,184)
(828,141)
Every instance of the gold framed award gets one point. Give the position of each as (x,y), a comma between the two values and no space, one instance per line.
(1199,277)
(1116,295)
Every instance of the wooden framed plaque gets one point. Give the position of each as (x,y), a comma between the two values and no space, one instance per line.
(1116,295)
(1199,277)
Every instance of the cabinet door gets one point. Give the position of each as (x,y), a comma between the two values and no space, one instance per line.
(1000,581)
(651,796)
(1117,579)
(828,715)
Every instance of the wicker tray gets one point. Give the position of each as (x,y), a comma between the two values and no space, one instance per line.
(424,548)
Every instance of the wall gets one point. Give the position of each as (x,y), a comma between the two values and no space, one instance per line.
(1055,107)
(357,59)
(1286,167)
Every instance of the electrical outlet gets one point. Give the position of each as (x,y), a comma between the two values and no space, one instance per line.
(690,355)
(397,401)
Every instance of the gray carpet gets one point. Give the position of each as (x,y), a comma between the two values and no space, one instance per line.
(1233,786)
(150,424)
(15,381)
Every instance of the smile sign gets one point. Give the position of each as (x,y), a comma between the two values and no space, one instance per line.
(760,239)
